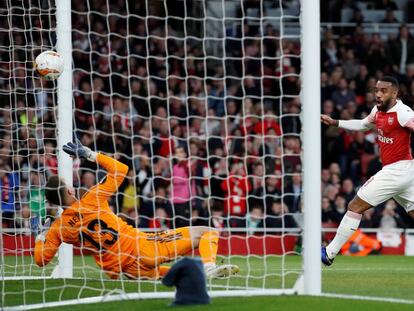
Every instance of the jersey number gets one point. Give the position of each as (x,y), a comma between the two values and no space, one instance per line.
(108,236)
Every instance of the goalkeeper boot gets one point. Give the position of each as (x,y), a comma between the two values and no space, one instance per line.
(324,257)
(222,271)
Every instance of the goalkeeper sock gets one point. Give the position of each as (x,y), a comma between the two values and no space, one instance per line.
(162,271)
(208,247)
(347,227)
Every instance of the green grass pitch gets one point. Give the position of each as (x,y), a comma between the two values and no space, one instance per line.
(377,276)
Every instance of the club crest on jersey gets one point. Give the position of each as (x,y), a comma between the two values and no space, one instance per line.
(390,120)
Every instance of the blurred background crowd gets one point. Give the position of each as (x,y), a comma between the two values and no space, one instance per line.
(208,124)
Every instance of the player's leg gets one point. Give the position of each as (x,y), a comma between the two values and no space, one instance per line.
(203,238)
(206,240)
(167,246)
(349,224)
(376,190)
(406,196)
(406,200)
(154,249)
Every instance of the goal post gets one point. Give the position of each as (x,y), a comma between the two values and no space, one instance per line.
(65,134)
(311,98)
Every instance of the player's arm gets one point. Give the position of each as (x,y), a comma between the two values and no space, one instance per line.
(116,171)
(406,118)
(351,125)
(47,243)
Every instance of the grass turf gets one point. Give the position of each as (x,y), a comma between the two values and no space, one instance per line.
(285,303)
(380,276)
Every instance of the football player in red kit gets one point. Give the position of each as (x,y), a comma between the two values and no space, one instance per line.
(394,122)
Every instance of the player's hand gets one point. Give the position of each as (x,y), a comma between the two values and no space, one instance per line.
(43,231)
(79,150)
(325,119)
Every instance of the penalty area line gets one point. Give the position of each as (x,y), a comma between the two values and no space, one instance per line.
(369,298)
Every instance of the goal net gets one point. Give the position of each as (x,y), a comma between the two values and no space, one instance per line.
(218,80)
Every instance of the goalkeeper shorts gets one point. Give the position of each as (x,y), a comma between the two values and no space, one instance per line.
(156,249)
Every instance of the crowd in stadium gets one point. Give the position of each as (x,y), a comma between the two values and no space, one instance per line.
(208,141)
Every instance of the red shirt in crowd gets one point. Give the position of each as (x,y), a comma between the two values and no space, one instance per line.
(236,188)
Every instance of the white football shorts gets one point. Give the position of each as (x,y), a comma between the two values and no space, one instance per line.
(395,181)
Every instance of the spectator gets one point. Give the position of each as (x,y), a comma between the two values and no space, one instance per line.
(342,95)
(390,218)
(386,5)
(160,221)
(50,159)
(236,187)
(212,124)
(291,123)
(340,207)
(390,17)
(330,55)
(279,216)
(326,178)
(326,89)
(350,65)
(329,214)
(130,199)
(377,55)
(37,198)
(293,193)
(357,17)
(182,188)
(24,220)
(217,95)
(254,219)
(268,122)
(9,185)
(370,218)
(401,50)
(348,190)
(197,219)
(257,179)
(361,151)
(217,217)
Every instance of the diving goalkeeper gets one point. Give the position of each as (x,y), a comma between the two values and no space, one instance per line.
(117,247)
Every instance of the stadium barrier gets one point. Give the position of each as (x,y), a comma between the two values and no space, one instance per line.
(235,241)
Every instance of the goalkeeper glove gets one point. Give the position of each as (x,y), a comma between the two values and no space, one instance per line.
(80,151)
(43,231)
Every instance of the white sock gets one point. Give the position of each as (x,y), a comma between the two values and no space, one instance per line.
(209,265)
(347,227)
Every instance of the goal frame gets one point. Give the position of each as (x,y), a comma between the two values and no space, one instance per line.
(310,95)
(64,268)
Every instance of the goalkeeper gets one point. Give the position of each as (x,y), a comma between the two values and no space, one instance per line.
(117,247)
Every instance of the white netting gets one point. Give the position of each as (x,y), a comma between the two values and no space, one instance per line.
(218,78)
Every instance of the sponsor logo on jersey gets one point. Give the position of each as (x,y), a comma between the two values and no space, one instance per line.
(385,140)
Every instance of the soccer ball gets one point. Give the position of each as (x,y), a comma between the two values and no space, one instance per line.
(49,65)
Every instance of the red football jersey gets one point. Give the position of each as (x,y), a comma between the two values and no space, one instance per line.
(393,135)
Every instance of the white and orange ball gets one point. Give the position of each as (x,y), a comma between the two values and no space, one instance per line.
(49,65)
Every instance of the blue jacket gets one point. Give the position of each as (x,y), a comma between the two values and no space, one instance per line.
(187,275)
(9,194)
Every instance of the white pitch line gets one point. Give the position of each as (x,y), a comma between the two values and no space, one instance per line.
(369,298)
(367,269)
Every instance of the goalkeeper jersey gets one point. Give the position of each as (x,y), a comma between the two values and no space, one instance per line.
(90,224)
